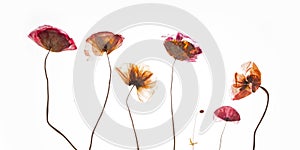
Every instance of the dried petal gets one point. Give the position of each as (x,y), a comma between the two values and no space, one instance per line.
(52,39)
(227,113)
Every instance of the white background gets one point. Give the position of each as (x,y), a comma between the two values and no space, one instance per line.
(266,32)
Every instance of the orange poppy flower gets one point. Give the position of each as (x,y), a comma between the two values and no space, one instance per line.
(140,77)
(104,42)
(246,82)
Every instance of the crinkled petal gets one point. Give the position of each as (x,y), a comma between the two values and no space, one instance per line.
(144,94)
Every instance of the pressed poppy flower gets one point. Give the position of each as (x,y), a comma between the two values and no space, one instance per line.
(227,114)
(246,83)
(103,42)
(180,47)
(140,77)
(54,40)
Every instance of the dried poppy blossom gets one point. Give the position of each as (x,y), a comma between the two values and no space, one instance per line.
(140,77)
(182,48)
(103,42)
(227,114)
(54,40)
(247,82)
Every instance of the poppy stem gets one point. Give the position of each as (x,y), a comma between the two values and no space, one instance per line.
(106,98)
(47,107)
(222,136)
(136,139)
(193,139)
(262,117)
(171,97)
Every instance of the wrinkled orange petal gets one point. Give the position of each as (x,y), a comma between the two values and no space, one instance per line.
(240,92)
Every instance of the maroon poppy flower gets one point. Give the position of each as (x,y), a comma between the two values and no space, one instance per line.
(52,39)
(227,113)
(246,82)
(182,47)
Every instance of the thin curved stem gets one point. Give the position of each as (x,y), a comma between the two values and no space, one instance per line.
(193,137)
(171,97)
(222,136)
(106,98)
(262,117)
(136,139)
(47,107)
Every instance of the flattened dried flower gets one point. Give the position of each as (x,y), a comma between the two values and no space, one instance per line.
(246,82)
(104,42)
(227,113)
(140,77)
(182,48)
(52,39)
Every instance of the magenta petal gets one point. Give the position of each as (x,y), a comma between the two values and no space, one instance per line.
(227,113)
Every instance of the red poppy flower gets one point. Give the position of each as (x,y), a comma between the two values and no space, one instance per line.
(182,47)
(52,39)
(227,113)
(104,42)
(246,82)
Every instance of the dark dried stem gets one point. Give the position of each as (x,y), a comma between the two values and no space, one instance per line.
(171,96)
(47,107)
(106,98)
(262,117)
(136,139)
